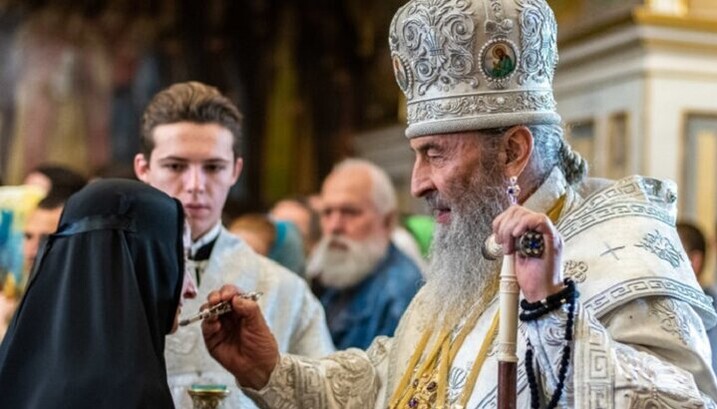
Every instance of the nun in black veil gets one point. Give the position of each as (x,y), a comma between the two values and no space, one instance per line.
(104,292)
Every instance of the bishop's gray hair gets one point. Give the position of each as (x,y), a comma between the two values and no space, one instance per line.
(550,149)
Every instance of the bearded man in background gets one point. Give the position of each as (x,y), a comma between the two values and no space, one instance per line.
(364,281)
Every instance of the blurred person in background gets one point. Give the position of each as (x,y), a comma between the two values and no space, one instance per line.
(299,211)
(256,230)
(695,245)
(17,204)
(41,222)
(421,228)
(366,281)
(279,240)
(288,247)
(404,239)
(56,179)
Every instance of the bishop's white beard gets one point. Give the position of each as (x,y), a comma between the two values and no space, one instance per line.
(344,268)
(459,279)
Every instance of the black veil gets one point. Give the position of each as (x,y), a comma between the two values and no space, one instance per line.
(103,294)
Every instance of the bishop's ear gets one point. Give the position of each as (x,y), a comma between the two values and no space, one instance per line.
(518,144)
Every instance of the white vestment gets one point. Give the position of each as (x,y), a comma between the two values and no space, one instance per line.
(294,315)
(639,329)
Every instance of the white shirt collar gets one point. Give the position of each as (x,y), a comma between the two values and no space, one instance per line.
(212,234)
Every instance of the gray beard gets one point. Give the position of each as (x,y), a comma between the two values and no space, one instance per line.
(340,269)
(459,278)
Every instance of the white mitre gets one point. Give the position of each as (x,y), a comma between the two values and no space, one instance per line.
(475,64)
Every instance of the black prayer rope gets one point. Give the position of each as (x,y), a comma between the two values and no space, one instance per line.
(534,310)
(568,295)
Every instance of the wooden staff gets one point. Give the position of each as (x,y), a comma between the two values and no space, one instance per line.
(508,327)
(508,334)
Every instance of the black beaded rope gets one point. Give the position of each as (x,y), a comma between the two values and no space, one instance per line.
(533,311)
(534,398)
(570,297)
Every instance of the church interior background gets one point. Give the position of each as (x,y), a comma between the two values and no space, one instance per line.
(636,86)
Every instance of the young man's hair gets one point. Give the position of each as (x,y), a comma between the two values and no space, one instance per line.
(190,102)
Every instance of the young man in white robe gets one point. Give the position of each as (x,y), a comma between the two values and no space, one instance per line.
(190,150)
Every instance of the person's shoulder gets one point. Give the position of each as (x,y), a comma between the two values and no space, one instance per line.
(647,184)
(633,188)
(591,185)
(402,262)
(400,273)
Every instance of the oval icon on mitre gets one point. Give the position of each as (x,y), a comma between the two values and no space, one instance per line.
(499,59)
(404,78)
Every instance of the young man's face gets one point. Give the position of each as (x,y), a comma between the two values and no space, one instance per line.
(194,163)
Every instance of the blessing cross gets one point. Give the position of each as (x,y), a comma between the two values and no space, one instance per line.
(530,244)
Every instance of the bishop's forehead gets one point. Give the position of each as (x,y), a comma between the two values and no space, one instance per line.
(474,64)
